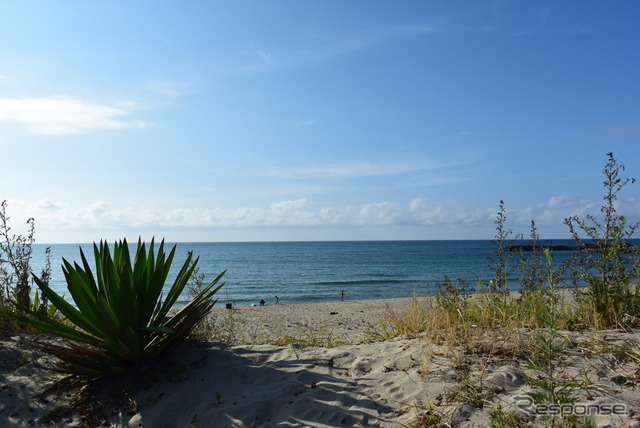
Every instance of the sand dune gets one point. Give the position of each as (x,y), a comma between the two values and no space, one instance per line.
(384,384)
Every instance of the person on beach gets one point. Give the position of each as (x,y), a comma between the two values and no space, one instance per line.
(262,302)
(342,296)
(277,300)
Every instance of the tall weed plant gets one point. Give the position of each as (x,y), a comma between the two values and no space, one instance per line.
(547,347)
(533,275)
(604,261)
(15,274)
(501,265)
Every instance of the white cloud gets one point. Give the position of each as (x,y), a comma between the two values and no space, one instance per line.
(557,208)
(49,205)
(298,213)
(103,218)
(62,116)
(357,169)
(288,206)
(172,88)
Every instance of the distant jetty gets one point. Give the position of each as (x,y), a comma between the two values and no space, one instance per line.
(592,247)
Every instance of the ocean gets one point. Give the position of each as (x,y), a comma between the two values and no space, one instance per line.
(321,271)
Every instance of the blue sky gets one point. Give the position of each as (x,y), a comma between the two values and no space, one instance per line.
(313,120)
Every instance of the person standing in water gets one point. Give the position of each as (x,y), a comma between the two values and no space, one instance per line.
(277,300)
(342,296)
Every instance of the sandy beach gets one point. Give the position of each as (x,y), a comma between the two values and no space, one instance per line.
(342,321)
(269,377)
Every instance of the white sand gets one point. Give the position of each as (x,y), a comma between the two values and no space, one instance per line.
(385,384)
(341,322)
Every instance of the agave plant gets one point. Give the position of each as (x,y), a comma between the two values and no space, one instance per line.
(120,322)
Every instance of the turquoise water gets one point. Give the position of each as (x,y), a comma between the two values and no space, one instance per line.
(320,271)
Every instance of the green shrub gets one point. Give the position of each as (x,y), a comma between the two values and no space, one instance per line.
(120,322)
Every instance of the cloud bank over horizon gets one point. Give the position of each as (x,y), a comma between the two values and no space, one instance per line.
(424,218)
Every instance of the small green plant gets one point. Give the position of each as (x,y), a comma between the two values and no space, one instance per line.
(120,323)
(227,328)
(412,321)
(429,417)
(39,304)
(381,331)
(470,388)
(502,418)
(206,329)
(314,337)
(197,280)
(452,297)
(548,347)
(532,267)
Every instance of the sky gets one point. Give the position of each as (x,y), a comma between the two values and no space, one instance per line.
(314,120)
